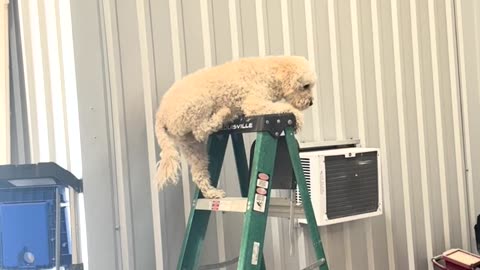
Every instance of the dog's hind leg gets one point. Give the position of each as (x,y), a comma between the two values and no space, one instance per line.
(197,157)
(211,124)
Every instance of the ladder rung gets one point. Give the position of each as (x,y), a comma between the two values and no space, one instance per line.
(228,204)
(279,207)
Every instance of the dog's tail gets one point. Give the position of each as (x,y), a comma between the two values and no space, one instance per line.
(169,164)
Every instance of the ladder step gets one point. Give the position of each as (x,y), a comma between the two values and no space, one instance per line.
(279,207)
(228,204)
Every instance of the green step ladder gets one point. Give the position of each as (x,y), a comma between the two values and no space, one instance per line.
(255,201)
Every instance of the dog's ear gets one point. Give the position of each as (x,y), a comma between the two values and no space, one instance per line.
(303,83)
(294,74)
(286,78)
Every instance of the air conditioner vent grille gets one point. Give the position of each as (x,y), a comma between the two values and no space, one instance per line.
(351,185)
(306,171)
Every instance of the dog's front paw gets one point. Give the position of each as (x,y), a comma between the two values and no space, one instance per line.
(299,120)
(214,193)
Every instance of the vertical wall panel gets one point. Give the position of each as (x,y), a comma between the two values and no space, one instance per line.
(457,126)
(144,15)
(360,234)
(373,133)
(221,30)
(409,71)
(395,213)
(134,159)
(39,117)
(423,224)
(192,28)
(453,162)
(19,121)
(116,129)
(467,14)
(404,177)
(171,203)
(45,98)
(248,27)
(346,69)
(387,74)
(429,110)
(193,52)
(273,20)
(43,73)
(453,169)
(232,47)
(324,72)
(24,22)
(382,131)
(5,87)
(93,124)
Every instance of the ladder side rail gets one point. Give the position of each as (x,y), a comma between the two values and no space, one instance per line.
(242,171)
(241,162)
(255,220)
(306,201)
(198,220)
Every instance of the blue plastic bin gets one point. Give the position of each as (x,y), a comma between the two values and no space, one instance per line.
(27,229)
(28,216)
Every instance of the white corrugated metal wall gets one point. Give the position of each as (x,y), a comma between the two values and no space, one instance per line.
(468,24)
(44,94)
(388,75)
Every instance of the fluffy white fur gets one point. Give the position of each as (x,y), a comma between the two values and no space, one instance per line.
(200,103)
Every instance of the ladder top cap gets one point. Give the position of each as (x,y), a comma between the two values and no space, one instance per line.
(274,124)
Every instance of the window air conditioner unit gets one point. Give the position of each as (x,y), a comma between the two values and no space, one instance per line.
(344,183)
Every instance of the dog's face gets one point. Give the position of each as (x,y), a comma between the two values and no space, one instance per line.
(300,96)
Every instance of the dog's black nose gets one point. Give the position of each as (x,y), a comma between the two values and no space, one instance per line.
(311,102)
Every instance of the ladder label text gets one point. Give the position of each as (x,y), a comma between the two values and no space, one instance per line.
(255,252)
(262,183)
(259,204)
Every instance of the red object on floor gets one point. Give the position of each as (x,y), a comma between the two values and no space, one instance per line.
(457,259)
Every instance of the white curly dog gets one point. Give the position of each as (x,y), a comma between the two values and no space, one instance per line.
(202,102)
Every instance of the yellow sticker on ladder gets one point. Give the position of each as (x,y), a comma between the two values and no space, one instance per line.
(255,252)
